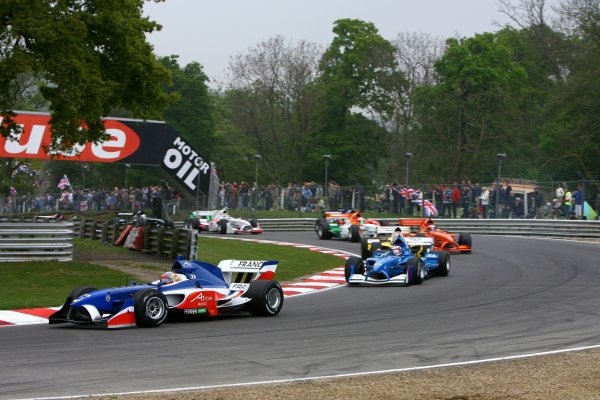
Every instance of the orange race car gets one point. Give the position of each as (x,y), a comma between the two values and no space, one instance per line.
(442,240)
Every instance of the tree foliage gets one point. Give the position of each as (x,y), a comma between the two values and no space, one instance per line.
(89,56)
(191,109)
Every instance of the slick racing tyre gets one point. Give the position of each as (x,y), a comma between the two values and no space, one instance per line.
(66,311)
(222,226)
(354,265)
(267,298)
(322,229)
(354,233)
(464,239)
(444,259)
(364,248)
(150,308)
(416,271)
(80,291)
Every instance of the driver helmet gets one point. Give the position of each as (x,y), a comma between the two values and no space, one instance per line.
(431,227)
(397,250)
(169,277)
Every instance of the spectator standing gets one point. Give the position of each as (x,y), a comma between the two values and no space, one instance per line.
(396,198)
(559,193)
(507,198)
(447,201)
(438,195)
(538,203)
(455,200)
(567,203)
(485,201)
(578,200)
(466,196)
(519,208)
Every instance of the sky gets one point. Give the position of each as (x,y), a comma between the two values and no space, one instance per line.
(210,32)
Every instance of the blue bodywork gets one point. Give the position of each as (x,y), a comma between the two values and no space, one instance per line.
(386,267)
(199,274)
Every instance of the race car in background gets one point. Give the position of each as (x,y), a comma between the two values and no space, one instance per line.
(190,288)
(442,240)
(219,221)
(348,225)
(409,261)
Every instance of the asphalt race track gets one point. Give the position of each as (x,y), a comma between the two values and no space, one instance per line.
(510,296)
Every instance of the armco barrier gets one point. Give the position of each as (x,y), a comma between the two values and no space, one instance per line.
(573,229)
(36,241)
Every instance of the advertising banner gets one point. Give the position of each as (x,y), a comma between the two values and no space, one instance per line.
(131,142)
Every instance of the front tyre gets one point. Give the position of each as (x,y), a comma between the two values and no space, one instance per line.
(267,298)
(464,239)
(150,308)
(354,265)
(416,271)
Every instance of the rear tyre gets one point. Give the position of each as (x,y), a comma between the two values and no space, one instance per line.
(444,268)
(222,226)
(354,233)
(150,308)
(416,271)
(267,298)
(354,265)
(374,248)
(364,248)
(322,229)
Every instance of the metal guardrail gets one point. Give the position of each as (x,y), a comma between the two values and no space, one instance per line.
(574,229)
(40,241)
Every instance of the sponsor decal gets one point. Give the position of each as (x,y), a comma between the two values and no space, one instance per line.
(202,298)
(35,135)
(239,286)
(185,163)
(195,311)
(128,141)
(251,265)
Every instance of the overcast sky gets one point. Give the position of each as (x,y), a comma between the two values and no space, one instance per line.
(209,32)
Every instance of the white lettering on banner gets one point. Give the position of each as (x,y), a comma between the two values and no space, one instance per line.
(182,159)
(117,140)
(33,144)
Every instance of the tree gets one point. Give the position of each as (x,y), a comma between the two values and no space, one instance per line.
(273,105)
(191,111)
(357,72)
(463,117)
(90,56)
(415,56)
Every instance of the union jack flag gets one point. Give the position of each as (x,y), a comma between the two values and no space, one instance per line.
(64,183)
(406,192)
(429,208)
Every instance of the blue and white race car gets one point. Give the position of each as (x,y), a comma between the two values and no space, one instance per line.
(409,261)
(189,288)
